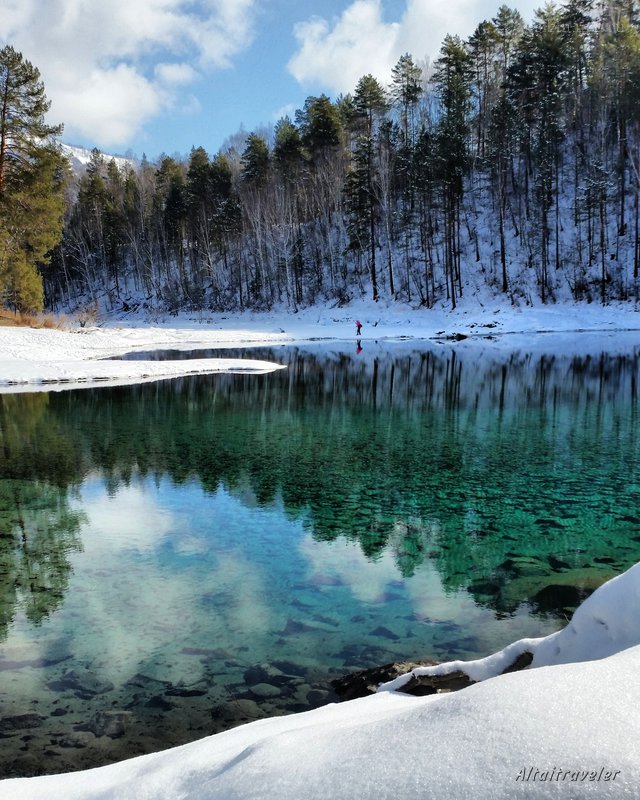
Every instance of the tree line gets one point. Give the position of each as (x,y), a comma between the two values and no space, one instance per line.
(509,165)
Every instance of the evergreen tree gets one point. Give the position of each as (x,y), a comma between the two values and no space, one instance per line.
(287,149)
(255,160)
(31,182)
(549,83)
(405,91)
(500,152)
(320,125)
(483,48)
(369,103)
(453,81)
(509,27)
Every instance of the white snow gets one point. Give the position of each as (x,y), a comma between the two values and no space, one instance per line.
(561,730)
(79,157)
(568,727)
(604,624)
(33,359)
(45,359)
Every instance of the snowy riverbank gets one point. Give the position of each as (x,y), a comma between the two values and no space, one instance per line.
(33,359)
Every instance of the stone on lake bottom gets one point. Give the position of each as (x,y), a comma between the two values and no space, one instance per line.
(108,723)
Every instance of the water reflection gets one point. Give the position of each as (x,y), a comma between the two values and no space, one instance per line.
(38,529)
(230,541)
(464,462)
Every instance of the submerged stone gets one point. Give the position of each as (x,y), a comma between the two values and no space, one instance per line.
(107,723)
(556,596)
(265,690)
(159,702)
(290,668)
(261,673)
(185,691)
(294,627)
(20,722)
(385,633)
(241,710)
(83,684)
(141,681)
(318,697)
(71,741)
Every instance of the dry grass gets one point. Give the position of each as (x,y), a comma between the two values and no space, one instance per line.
(24,320)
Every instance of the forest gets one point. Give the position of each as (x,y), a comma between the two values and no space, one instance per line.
(510,165)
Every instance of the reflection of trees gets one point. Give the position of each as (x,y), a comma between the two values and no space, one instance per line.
(473,464)
(41,531)
(38,530)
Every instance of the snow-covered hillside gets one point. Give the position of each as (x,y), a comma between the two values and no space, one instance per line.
(79,157)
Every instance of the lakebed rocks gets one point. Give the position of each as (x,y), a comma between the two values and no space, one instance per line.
(20,722)
(89,722)
(84,685)
(82,720)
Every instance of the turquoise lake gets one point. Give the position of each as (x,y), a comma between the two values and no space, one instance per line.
(182,556)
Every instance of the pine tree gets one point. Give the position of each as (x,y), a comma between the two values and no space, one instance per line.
(453,81)
(405,91)
(509,27)
(31,182)
(483,48)
(320,125)
(287,149)
(255,160)
(369,103)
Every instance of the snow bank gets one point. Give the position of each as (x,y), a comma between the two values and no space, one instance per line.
(32,359)
(562,730)
(604,624)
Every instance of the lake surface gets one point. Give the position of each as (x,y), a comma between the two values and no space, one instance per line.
(182,556)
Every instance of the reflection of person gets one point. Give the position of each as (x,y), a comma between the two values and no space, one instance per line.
(358,347)
(358,327)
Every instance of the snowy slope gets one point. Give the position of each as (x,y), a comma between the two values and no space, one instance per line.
(79,157)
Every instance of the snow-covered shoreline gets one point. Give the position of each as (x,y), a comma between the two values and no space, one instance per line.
(44,359)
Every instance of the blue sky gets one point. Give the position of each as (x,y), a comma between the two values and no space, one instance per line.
(154,76)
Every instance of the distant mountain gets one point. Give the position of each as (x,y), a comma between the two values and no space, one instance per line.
(79,157)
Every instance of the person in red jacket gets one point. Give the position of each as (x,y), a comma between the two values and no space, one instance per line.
(358,327)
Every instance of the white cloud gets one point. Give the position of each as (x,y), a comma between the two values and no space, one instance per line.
(288,110)
(336,55)
(358,43)
(99,60)
(175,74)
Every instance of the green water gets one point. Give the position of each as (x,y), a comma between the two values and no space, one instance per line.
(182,556)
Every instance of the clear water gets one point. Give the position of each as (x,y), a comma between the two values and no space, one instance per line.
(182,556)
